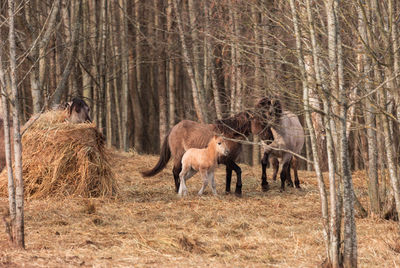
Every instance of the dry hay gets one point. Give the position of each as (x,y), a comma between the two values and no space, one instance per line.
(149,226)
(63,159)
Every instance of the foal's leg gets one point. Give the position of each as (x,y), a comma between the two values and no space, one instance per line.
(275,166)
(212,182)
(296,176)
(204,176)
(182,186)
(264,183)
(186,173)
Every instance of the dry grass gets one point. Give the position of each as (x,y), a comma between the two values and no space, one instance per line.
(149,226)
(63,159)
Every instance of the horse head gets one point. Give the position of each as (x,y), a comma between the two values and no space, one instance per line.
(221,145)
(267,113)
(236,126)
(78,111)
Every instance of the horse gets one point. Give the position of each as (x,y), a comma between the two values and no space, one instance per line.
(189,134)
(78,111)
(204,161)
(287,138)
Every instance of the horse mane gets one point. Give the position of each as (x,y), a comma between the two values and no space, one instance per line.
(237,125)
(268,111)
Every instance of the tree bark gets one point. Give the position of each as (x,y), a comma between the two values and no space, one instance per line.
(19,182)
(7,146)
(316,157)
(189,68)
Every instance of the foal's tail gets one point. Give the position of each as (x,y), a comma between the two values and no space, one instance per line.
(165,155)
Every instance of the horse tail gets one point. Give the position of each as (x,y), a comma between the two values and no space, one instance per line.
(165,155)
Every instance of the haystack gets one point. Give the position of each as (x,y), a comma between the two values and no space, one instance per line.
(64,159)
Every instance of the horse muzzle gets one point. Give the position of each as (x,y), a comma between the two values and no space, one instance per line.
(226,152)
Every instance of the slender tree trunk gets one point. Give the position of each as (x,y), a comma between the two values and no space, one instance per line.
(335,52)
(108,85)
(189,67)
(210,55)
(124,72)
(257,76)
(306,103)
(334,221)
(370,121)
(197,58)
(7,147)
(19,182)
(161,76)
(71,57)
(170,68)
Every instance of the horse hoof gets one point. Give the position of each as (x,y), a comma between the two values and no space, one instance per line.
(238,194)
(265,187)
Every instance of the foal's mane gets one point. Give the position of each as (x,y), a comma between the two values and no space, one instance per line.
(237,125)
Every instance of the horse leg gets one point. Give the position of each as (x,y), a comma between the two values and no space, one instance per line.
(296,176)
(182,186)
(186,173)
(264,183)
(284,174)
(275,166)
(176,170)
(238,171)
(230,165)
(212,183)
(289,176)
(229,169)
(204,175)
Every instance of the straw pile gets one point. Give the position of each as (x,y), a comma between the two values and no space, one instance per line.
(63,159)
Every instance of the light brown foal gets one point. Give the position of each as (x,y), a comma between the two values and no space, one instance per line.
(203,160)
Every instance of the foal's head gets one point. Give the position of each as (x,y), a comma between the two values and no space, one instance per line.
(220,145)
(78,111)
(267,113)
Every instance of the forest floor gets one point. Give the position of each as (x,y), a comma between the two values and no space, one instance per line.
(147,225)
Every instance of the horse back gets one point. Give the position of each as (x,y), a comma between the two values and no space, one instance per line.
(188,134)
(291,131)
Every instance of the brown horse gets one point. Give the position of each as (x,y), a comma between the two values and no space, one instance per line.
(203,160)
(189,134)
(77,112)
(288,137)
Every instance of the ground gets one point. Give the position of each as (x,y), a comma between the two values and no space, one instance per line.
(147,225)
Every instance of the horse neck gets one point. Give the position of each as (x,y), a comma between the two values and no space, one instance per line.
(212,150)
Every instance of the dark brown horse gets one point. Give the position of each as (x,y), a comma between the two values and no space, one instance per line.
(189,134)
(78,111)
(288,138)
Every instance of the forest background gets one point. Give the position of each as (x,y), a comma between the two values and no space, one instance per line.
(143,66)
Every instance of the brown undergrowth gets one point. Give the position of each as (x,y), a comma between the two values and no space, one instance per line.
(147,225)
